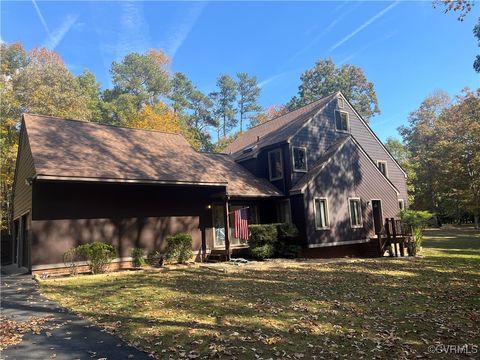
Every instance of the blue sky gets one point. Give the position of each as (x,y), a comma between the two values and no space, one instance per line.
(407,49)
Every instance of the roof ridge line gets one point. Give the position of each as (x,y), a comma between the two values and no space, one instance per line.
(291,111)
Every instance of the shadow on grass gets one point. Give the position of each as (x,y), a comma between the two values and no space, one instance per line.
(378,307)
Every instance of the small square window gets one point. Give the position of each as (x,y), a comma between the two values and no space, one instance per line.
(355,208)
(275,164)
(321,214)
(299,159)
(382,165)
(341,120)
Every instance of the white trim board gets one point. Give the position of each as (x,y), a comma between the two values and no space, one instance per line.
(338,243)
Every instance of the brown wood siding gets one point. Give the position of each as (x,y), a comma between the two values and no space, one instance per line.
(377,152)
(22,193)
(51,238)
(320,133)
(259,166)
(66,214)
(317,136)
(349,174)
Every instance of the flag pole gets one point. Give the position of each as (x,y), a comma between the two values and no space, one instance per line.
(227,229)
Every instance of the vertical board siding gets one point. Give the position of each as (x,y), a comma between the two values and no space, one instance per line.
(51,238)
(350,174)
(22,193)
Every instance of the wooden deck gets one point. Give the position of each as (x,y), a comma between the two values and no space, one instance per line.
(395,237)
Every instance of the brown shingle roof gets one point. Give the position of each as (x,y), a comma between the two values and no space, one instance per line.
(278,129)
(72,148)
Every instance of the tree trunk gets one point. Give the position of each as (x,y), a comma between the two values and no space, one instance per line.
(224,126)
(476,215)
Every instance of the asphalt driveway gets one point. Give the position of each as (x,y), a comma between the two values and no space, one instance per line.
(62,335)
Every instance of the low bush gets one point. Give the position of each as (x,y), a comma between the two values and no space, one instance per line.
(156,258)
(418,221)
(263,252)
(273,240)
(262,234)
(179,247)
(97,254)
(70,259)
(138,259)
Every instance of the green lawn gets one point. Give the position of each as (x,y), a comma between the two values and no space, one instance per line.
(383,308)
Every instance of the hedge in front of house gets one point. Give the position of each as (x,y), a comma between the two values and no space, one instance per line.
(179,247)
(273,240)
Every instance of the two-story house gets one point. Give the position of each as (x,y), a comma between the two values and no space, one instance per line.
(320,167)
(338,179)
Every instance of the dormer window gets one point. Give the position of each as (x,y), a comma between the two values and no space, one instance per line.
(382,165)
(275,164)
(341,121)
(299,159)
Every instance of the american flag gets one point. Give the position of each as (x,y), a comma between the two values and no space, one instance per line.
(241,224)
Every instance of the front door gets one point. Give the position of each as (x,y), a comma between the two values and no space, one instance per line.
(377,215)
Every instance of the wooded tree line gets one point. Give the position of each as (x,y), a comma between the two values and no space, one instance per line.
(441,155)
(145,94)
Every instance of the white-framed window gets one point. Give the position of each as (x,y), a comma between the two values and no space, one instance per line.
(275,164)
(341,121)
(401,204)
(284,214)
(299,159)
(321,213)
(382,165)
(355,209)
(340,103)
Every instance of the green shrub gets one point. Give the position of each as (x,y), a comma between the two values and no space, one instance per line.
(287,231)
(137,257)
(70,258)
(262,234)
(98,255)
(179,247)
(263,252)
(417,220)
(156,258)
(279,238)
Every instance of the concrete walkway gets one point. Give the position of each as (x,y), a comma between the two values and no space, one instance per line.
(63,336)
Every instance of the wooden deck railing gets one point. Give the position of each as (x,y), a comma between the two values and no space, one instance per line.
(394,232)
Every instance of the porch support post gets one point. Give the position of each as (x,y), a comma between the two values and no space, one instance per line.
(227,229)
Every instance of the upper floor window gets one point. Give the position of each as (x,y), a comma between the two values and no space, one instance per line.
(401,204)
(355,208)
(275,164)
(340,103)
(299,159)
(321,214)
(341,120)
(382,165)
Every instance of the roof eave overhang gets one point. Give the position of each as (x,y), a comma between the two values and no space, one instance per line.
(126,181)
